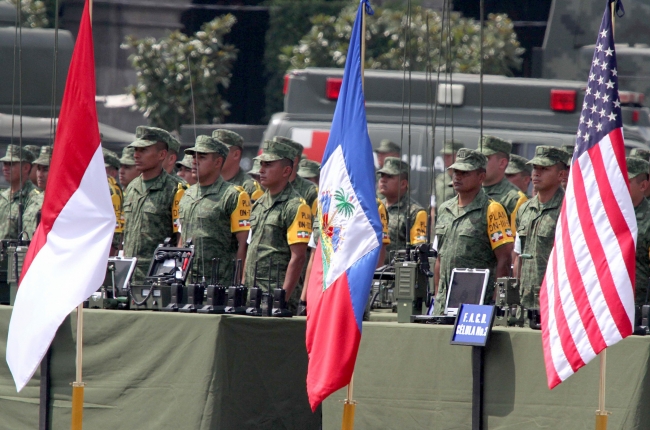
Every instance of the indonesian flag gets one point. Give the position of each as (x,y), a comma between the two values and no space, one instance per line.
(351,235)
(66,261)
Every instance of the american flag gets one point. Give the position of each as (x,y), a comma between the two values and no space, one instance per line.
(587,297)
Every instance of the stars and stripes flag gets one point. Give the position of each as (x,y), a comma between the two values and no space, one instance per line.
(587,297)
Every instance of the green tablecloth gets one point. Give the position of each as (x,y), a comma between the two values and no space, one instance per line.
(409,377)
(147,370)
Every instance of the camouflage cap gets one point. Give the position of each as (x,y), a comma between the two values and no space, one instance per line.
(228,138)
(450,147)
(185,162)
(17,154)
(110,158)
(308,168)
(255,170)
(468,160)
(394,166)
(208,145)
(549,156)
(492,144)
(127,156)
(292,143)
(34,149)
(386,147)
(147,136)
(44,156)
(518,164)
(636,166)
(570,149)
(640,153)
(273,150)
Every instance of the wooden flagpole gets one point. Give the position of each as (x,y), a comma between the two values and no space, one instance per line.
(350,404)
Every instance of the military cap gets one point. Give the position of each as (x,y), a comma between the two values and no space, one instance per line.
(147,136)
(636,166)
(44,156)
(127,156)
(640,153)
(273,150)
(110,158)
(468,160)
(292,143)
(394,166)
(185,162)
(492,145)
(34,149)
(255,170)
(228,138)
(387,147)
(17,154)
(518,164)
(308,168)
(569,149)
(450,147)
(208,145)
(549,156)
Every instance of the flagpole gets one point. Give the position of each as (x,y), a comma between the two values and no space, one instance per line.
(350,404)
(78,385)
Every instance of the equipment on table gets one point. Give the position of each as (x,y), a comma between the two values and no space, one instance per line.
(508,304)
(237,293)
(114,292)
(279,299)
(12,255)
(215,302)
(413,278)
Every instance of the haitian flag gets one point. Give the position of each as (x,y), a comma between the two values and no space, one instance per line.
(350,237)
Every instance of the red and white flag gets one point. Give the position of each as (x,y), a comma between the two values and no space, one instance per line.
(587,297)
(66,261)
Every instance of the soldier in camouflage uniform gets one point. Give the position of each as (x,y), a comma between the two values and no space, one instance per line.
(280,224)
(128,171)
(151,200)
(173,147)
(17,164)
(387,149)
(404,213)
(112,164)
(472,231)
(536,221)
(310,170)
(184,169)
(42,164)
(518,172)
(307,189)
(442,190)
(496,186)
(637,172)
(214,213)
(569,149)
(643,155)
(36,151)
(231,171)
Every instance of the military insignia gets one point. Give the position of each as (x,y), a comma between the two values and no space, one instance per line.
(508,232)
(302,234)
(334,210)
(244,223)
(497,236)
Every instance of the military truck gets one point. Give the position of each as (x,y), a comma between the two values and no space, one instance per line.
(529,112)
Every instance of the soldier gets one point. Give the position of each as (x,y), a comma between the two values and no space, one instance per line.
(16,165)
(387,149)
(36,151)
(128,171)
(536,221)
(404,213)
(280,223)
(306,189)
(643,155)
(151,200)
(214,213)
(172,156)
(112,165)
(309,170)
(518,172)
(570,149)
(443,191)
(637,172)
(254,173)
(231,171)
(184,169)
(496,186)
(471,230)
(42,164)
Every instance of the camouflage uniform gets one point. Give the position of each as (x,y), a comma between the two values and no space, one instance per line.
(467,236)
(117,198)
(211,215)
(150,208)
(519,164)
(277,222)
(230,138)
(308,168)
(536,229)
(28,194)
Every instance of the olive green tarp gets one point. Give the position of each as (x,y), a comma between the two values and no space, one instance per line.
(148,370)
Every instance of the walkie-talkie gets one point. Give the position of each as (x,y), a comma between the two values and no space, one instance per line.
(255,295)
(279,299)
(236,302)
(215,293)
